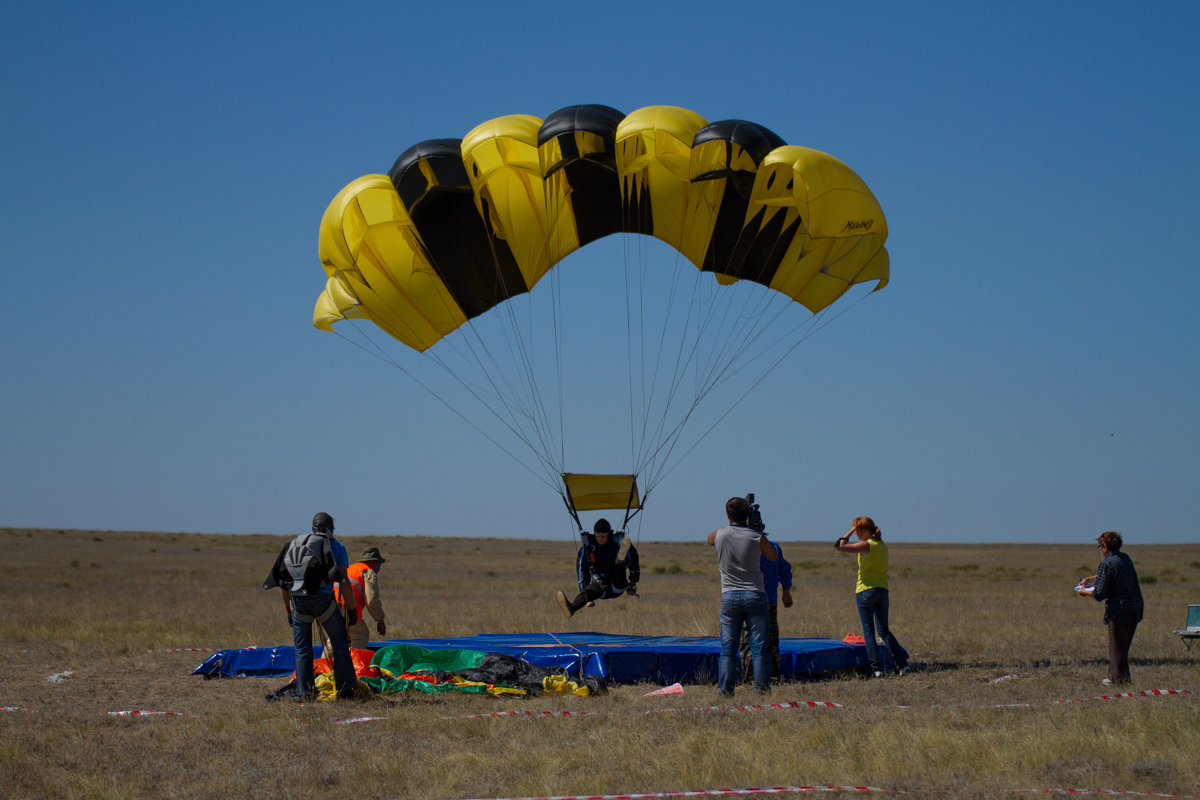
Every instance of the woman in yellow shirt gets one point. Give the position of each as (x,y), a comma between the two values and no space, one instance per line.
(871,593)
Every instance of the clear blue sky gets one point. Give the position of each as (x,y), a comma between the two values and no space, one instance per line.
(1031,373)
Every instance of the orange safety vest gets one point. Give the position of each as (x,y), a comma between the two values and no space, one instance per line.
(357,585)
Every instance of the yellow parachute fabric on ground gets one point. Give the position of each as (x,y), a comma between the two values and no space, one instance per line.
(561,684)
(327,689)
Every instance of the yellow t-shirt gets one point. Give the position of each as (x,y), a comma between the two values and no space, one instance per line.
(872,567)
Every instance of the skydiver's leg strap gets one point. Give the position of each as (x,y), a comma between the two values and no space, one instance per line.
(324,615)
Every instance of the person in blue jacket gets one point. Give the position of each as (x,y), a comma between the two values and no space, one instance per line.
(776,574)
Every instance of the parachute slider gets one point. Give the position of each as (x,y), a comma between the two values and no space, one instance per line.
(593,492)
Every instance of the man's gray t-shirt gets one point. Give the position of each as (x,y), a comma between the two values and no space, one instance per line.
(738,556)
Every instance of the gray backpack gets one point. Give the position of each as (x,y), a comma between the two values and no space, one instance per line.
(308,564)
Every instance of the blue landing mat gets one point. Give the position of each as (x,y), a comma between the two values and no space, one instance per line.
(618,659)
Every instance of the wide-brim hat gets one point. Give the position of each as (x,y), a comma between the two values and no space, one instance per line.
(371,554)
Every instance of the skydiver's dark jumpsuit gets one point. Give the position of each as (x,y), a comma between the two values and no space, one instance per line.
(600,576)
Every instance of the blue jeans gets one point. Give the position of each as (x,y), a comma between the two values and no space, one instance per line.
(751,609)
(873,614)
(339,641)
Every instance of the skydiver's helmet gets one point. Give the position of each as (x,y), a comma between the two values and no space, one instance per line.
(322,523)
(602,526)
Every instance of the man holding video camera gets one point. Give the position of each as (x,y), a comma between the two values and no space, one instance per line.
(743,595)
(777,575)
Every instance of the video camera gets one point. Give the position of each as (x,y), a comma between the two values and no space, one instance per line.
(754,517)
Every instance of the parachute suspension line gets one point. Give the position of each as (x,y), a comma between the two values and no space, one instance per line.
(721,338)
(506,396)
(643,391)
(377,352)
(635,330)
(557,321)
(554,236)
(709,378)
(678,367)
(818,322)
(724,368)
(517,407)
(521,342)
(629,360)
(652,443)
(490,401)
(698,322)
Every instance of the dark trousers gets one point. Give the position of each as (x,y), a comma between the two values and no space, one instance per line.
(772,647)
(596,590)
(1120,637)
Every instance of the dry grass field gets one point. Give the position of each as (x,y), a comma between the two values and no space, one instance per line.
(998,634)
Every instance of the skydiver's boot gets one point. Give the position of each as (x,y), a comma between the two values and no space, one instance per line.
(624,549)
(564,605)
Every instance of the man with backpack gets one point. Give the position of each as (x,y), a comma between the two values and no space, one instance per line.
(305,571)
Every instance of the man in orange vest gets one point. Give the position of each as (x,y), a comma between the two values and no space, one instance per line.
(364,584)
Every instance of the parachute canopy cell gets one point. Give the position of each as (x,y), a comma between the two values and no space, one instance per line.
(460,225)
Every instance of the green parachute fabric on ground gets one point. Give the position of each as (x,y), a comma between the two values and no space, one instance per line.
(406,659)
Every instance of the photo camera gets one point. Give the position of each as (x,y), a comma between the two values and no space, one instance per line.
(754,518)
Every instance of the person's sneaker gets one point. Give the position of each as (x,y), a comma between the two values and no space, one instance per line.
(624,549)
(877,674)
(901,672)
(564,605)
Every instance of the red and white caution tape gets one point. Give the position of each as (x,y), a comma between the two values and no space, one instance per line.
(353,720)
(533,714)
(1142,693)
(705,793)
(139,713)
(1121,696)
(758,707)
(17,708)
(1123,793)
(181,650)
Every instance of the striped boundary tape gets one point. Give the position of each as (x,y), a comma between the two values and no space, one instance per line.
(811,704)
(532,714)
(759,707)
(705,793)
(181,650)
(1107,792)
(1120,696)
(140,713)
(1142,693)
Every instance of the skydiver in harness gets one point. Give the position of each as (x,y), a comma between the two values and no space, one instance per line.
(606,567)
